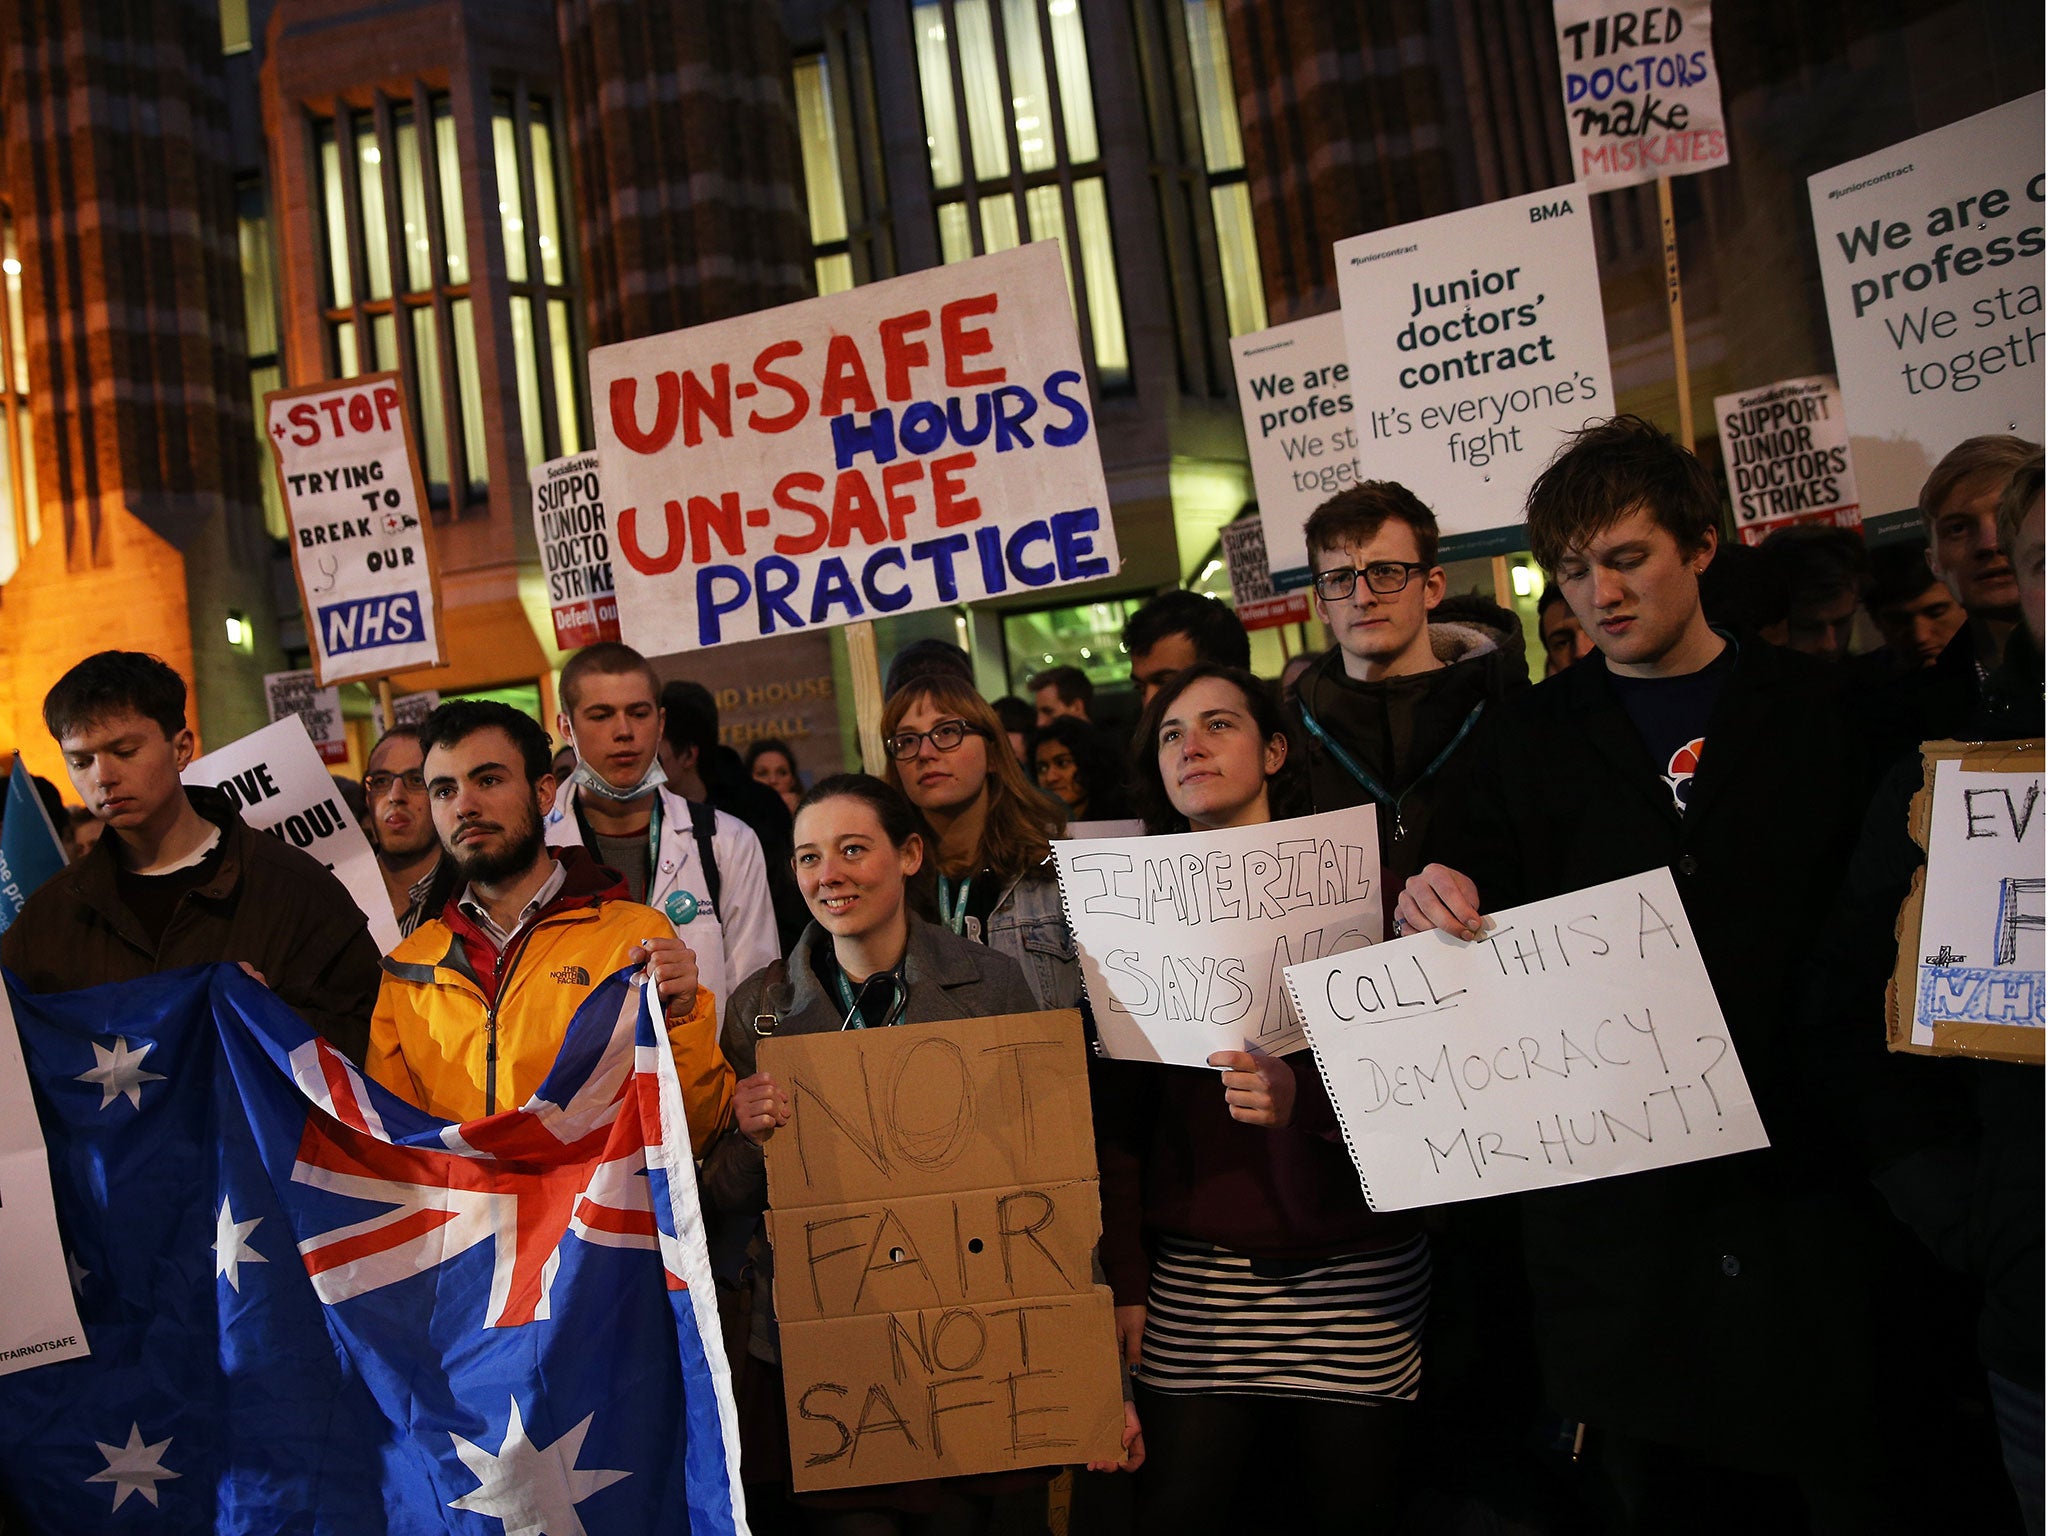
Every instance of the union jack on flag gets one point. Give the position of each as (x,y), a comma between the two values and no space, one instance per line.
(314,1308)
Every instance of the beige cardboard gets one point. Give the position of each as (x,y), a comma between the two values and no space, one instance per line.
(1998,1042)
(952,1391)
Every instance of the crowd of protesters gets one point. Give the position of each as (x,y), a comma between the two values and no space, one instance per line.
(1840,1333)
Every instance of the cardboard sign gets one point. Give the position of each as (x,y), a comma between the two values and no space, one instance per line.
(1294,387)
(1251,587)
(1969,975)
(933,1208)
(1786,448)
(575,551)
(39,1324)
(409,708)
(1579,1040)
(300,693)
(906,444)
(1183,939)
(1930,255)
(362,542)
(280,786)
(1477,342)
(1641,97)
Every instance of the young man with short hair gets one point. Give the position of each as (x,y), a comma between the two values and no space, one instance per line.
(401,826)
(1959,509)
(1385,709)
(1175,630)
(1059,691)
(1718,1315)
(1564,642)
(182,879)
(1912,608)
(476,1002)
(700,867)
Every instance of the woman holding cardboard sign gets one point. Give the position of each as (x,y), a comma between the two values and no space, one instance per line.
(867,961)
(1258,1297)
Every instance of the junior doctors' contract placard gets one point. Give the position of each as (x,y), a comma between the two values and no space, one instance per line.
(904,445)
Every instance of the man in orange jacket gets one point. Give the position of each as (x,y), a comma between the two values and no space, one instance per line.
(475,1002)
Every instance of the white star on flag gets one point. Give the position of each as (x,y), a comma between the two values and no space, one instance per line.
(120,1071)
(134,1467)
(533,1489)
(231,1245)
(78,1272)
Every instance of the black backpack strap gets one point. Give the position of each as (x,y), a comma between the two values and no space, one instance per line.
(704,822)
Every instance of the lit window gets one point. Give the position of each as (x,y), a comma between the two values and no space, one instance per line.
(1028,101)
(536,267)
(20,519)
(259,313)
(1230,203)
(825,191)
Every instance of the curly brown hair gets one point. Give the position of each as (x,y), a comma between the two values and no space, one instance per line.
(1016,839)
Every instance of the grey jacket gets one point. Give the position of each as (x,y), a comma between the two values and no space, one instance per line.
(1029,924)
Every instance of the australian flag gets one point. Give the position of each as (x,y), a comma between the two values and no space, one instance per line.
(313,1308)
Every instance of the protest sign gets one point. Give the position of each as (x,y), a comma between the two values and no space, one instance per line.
(1183,938)
(906,444)
(575,551)
(780,689)
(280,786)
(1578,1040)
(933,1209)
(39,1324)
(1294,387)
(300,693)
(1121,826)
(1468,363)
(1641,96)
(1251,585)
(1786,449)
(406,709)
(1969,976)
(1930,256)
(362,542)
(31,852)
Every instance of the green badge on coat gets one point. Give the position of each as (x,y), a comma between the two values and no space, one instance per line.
(681,907)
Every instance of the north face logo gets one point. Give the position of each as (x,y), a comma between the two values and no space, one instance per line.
(572,976)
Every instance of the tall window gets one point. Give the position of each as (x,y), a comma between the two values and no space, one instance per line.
(1230,202)
(1010,128)
(537,271)
(846,191)
(21,521)
(259,306)
(818,134)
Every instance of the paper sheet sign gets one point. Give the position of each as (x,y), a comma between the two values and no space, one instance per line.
(1251,583)
(1294,387)
(39,1324)
(574,541)
(1641,95)
(1969,976)
(904,445)
(1579,1040)
(933,1210)
(362,542)
(1183,939)
(280,786)
(1786,448)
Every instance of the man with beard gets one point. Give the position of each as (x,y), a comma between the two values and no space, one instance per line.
(401,830)
(475,1003)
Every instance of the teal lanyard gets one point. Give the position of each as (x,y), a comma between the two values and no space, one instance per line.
(954,912)
(1371,785)
(849,999)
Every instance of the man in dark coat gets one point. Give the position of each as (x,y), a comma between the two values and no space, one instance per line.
(180,879)
(1710,1323)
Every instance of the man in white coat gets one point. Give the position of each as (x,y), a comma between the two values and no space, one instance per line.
(700,867)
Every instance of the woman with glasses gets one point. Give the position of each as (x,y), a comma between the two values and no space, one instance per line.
(867,961)
(1261,1302)
(990,831)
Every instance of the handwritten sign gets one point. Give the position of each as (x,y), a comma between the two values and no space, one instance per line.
(1294,387)
(1477,341)
(1786,448)
(39,1324)
(933,1209)
(1579,1040)
(575,551)
(903,445)
(1251,584)
(1930,256)
(362,543)
(1183,939)
(1641,96)
(1969,977)
(280,786)
(300,693)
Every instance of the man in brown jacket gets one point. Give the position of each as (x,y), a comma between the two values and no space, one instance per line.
(179,879)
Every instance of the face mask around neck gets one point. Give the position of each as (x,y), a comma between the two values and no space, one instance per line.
(588,778)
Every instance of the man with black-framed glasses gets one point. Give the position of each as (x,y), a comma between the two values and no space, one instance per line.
(1384,710)
(401,825)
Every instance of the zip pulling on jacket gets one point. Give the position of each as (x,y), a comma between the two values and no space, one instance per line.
(1371,785)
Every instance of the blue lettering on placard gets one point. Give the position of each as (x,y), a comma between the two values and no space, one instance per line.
(365,623)
(1980,995)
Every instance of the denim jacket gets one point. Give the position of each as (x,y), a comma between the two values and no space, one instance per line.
(1029,924)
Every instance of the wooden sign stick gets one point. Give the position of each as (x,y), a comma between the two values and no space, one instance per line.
(1674,300)
(866,664)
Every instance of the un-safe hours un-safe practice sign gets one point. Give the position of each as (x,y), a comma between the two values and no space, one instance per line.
(908,444)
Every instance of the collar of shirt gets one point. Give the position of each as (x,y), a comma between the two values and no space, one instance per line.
(475,911)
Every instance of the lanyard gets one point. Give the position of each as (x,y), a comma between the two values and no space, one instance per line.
(1371,785)
(849,998)
(953,912)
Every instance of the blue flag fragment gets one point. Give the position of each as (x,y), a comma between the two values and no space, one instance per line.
(30,850)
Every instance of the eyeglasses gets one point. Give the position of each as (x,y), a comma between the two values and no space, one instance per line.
(945,736)
(377,785)
(1385,577)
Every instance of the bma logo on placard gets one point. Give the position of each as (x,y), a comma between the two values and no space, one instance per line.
(367,622)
